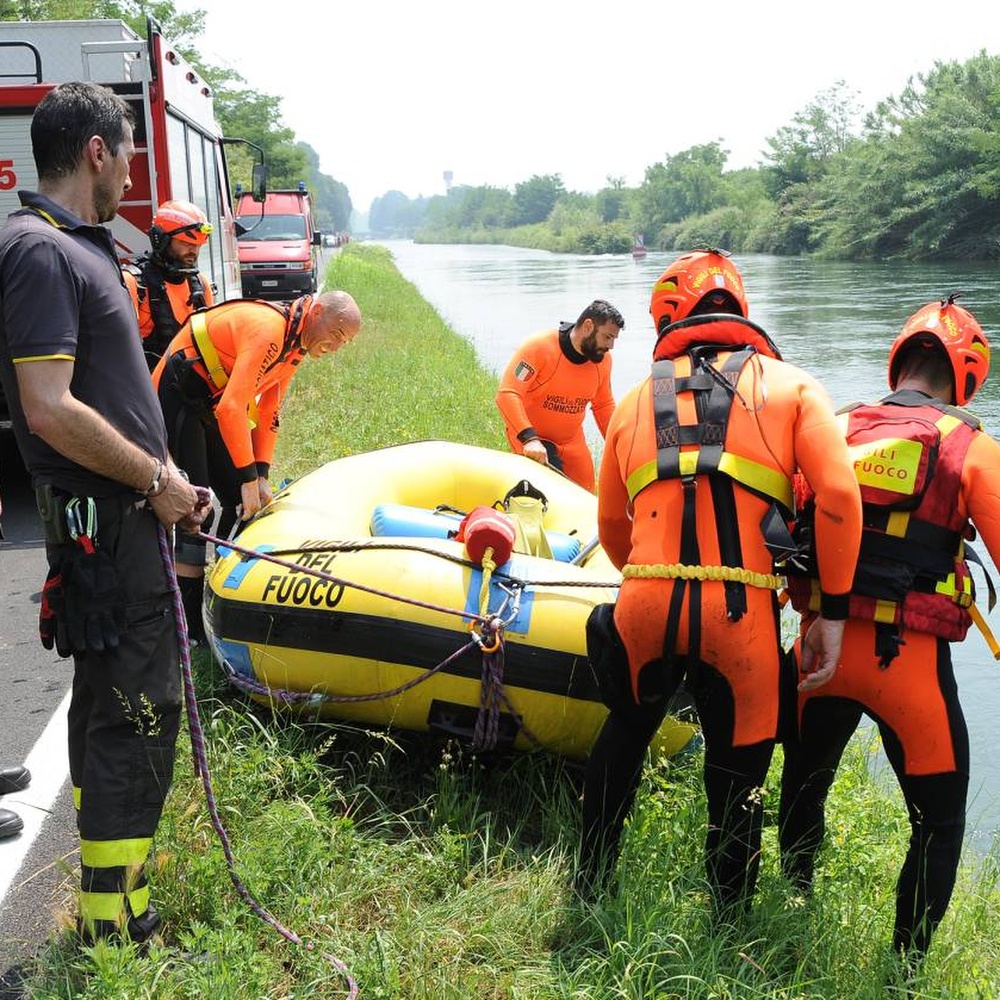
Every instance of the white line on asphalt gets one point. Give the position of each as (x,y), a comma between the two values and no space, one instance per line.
(35,803)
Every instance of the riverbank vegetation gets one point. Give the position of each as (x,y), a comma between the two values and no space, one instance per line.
(917,178)
(435,876)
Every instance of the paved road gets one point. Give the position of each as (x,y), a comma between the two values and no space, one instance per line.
(38,868)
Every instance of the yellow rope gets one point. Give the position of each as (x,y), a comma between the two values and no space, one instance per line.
(678,571)
(484,591)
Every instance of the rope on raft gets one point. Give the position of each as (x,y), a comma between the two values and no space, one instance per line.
(491,627)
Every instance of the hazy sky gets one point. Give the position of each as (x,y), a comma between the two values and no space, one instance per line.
(391,93)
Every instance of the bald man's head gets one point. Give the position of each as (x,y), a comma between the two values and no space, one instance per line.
(333,320)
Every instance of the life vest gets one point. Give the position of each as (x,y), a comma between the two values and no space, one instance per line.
(151,284)
(713,328)
(908,452)
(706,455)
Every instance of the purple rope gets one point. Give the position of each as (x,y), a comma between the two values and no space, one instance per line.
(200,757)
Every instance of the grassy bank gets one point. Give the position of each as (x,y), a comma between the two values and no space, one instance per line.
(436,877)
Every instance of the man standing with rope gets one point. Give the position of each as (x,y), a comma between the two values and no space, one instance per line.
(92,436)
(695,490)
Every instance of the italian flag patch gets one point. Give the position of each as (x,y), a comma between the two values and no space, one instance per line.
(523,371)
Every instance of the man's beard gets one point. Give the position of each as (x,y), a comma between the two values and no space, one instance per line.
(590,350)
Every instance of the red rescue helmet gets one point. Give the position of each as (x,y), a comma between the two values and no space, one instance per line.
(181,220)
(693,278)
(957,331)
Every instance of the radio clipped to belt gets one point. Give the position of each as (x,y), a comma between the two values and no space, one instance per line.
(83,607)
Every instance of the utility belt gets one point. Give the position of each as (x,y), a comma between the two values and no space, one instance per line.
(64,515)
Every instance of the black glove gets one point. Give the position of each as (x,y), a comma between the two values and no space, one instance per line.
(52,613)
(95,605)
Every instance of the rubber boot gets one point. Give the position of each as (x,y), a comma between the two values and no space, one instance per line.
(10,824)
(192,593)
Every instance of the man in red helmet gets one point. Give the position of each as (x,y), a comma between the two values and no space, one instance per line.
(694,495)
(549,383)
(165,284)
(926,469)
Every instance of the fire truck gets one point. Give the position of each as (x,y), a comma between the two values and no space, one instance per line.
(180,148)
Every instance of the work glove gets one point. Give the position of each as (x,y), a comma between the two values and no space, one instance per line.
(51,614)
(95,605)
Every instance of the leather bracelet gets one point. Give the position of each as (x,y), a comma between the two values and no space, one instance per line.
(156,487)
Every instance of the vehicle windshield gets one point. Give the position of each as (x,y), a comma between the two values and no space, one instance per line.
(273,227)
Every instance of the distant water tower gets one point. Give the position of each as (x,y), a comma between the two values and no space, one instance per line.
(447,180)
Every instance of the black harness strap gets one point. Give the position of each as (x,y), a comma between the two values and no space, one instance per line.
(713,397)
(151,283)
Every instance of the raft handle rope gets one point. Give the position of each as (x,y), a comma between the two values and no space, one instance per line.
(200,758)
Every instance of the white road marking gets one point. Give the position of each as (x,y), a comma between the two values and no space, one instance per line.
(34,804)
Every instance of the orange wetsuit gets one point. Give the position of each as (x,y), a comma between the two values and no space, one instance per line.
(222,430)
(914,702)
(780,420)
(544,393)
(258,354)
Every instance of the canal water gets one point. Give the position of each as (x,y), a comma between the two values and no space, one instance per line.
(835,319)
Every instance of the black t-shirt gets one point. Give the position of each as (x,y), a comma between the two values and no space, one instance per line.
(62,296)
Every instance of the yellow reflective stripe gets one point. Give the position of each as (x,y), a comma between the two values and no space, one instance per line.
(209,355)
(885,611)
(44,357)
(76,797)
(898,522)
(102,906)
(752,474)
(678,571)
(112,853)
(138,900)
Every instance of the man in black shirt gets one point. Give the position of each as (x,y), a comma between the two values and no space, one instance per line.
(92,436)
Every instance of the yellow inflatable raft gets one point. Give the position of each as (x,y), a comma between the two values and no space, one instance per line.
(352,595)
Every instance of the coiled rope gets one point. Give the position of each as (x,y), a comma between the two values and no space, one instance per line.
(680,571)
(200,757)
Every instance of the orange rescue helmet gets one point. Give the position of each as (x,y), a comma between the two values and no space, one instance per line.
(957,331)
(689,280)
(180,220)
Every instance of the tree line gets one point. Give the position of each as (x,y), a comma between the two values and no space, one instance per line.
(916,178)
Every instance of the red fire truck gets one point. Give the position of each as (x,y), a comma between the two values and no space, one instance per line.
(180,149)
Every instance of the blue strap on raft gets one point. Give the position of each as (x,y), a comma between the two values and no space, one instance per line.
(397,520)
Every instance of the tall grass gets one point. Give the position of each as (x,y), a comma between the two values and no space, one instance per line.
(436,876)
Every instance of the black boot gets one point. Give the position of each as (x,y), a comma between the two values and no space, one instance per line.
(14,779)
(138,930)
(192,592)
(10,824)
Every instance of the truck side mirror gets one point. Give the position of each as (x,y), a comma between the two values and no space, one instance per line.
(317,239)
(258,182)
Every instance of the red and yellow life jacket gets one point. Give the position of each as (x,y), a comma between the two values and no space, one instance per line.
(908,453)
